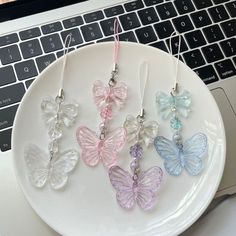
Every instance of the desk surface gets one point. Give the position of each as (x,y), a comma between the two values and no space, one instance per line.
(17,217)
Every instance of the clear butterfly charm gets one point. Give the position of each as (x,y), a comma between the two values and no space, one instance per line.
(63,115)
(169,104)
(143,132)
(178,156)
(42,168)
(141,190)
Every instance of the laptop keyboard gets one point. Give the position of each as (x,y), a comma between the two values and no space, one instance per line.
(208,29)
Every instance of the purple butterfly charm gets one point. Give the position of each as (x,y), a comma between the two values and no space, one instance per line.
(141,187)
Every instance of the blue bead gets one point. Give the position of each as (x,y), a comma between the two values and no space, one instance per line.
(175,123)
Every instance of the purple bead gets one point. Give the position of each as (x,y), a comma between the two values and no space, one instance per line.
(136,151)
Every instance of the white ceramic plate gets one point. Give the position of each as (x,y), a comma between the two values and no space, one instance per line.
(88,205)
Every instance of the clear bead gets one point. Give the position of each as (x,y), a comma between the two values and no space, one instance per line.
(53,146)
(55,131)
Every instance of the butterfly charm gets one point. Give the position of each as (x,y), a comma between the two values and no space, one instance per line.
(142,190)
(104,95)
(42,169)
(188,156)
(144,132)
(65,115)
(167,104)
(95,149)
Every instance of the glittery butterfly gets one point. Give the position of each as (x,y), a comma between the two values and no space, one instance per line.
(95,149)
(180,103)
(188,156)
(42,170)
(106,94)
(143,190)
(67,112)
(144,132)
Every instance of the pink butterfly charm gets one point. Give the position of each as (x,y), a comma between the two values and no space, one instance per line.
(142,190)
(95,149)
(104,95)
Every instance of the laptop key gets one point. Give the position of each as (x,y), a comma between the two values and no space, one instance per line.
(51,43)
(231,6)
(200,4)
(30,33)
(229,47)
(195,39)
(183,24)
(234,59)
(134,5)
(8,39)
(129,21)
(11,94)
(160,45)
(153,2)
(9,54)
(108,26)
(218,13)
(26,69)
(175,44)
(220,1)
(113,11)
(5,140)
(76,37)
(184,6)
(148,16)
(72,22)
(44,61)
(194,58)
(51,28)
(29,82)
(229,27)
(108,39)
(93,16)
(213,33)
(128,37)
(225,69)
(166,10)
(91,32)
(7,75)
(146,35)
(31,48)
(164,29)
(201,18)
(207,74)
(212,53)
(7,116)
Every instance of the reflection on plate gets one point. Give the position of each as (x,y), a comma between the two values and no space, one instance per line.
(88,206)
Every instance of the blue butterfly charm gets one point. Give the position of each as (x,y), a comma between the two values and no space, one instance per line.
(178,156)
(167,104)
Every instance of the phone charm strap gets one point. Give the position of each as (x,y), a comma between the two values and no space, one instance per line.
(54,166)
(139,186)
(107,144)
(176,154)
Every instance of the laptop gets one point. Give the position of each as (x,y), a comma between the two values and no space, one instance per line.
(31,38)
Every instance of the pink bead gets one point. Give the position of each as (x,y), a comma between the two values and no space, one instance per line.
(106,112)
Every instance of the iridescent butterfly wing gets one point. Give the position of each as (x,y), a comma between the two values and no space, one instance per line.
(194,150)
(118,94)
(37,163)
(42,170)
(183,102)
(112,145)
(89,143)
(122,181)
(100,93)
(132,127)
(149,182)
